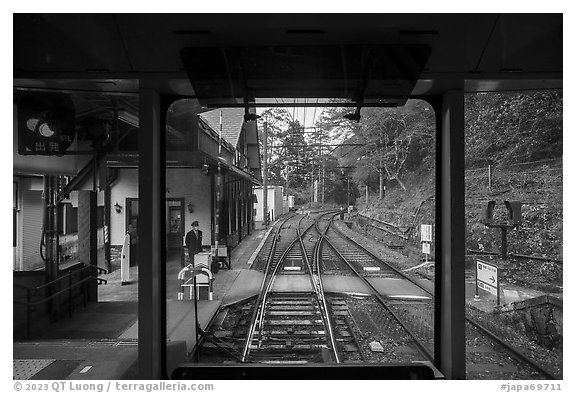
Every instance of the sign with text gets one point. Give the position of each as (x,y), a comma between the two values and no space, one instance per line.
(426,233)
(488,288)
(487,278)
(487,273)
(426,248)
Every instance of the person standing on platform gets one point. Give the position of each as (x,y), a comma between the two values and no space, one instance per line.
(193,241)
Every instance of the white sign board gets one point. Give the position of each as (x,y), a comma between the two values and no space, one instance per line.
(489,288)
(426,233)
(426,248)
(125,260)
(486,273)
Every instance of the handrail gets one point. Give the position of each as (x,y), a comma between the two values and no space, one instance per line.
(54,295)
(93,272)
(75,272)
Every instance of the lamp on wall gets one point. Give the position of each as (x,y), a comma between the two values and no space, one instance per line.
(190,207)
(118,208)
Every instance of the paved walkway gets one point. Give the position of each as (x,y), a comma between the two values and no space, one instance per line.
(101,341)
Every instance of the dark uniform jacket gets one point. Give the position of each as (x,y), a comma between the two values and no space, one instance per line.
(193,243)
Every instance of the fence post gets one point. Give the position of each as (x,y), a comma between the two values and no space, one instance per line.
(84,288)
(69,296)
(28,301)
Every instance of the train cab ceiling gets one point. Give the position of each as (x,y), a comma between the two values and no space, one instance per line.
(245,60)
(224,58)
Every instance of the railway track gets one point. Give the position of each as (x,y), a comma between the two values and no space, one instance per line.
(306,324)
(419,315)
(309,324)
(290,327)
(365,265)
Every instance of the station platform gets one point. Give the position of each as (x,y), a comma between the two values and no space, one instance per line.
(387,287)
(101,340)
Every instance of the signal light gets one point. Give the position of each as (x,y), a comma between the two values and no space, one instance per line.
(46,123)
(514,211)
(206,169)
(514,214)
(489,213)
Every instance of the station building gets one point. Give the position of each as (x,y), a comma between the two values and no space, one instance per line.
(76,210)
(275,203)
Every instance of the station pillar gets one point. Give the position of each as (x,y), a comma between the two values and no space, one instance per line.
(151,234)
(50,230)
(87,236)
(449,318)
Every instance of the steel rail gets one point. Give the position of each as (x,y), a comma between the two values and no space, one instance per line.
(513,351)
(423,348)
(318,259)
(273,276)
(259,301)
(258,316)
(318,288)
(399,272)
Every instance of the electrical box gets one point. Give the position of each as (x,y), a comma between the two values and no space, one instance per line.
(514,214)
(514,211)
(489,213)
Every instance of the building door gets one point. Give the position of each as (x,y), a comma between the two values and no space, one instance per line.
(175,227)
(132,228)
(15,228)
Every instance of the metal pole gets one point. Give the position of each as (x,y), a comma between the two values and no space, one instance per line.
(311,184)
(50,230)
(196,319)
(94,169)
(348,194)
(217,208)
(287,176)
(366,194)
(218,188)
(504,243)
(497,290)
(476,297)
(28,311)
(220,137)
(265,175)
(323,180)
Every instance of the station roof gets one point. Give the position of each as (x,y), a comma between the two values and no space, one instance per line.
(232,122)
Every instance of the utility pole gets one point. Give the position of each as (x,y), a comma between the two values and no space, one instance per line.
(348,194)
(311,183)
(323,179)
(265,175)
(218,187)
(287,176)
(50,230)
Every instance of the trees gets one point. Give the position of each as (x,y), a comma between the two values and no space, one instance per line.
(375,151)
(510,127)
(289,157)
(388,138)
